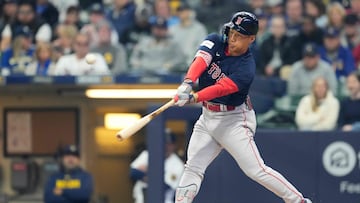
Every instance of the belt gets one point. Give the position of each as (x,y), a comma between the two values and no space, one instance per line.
(218,107)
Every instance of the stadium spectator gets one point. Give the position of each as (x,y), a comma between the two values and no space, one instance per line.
(263,32)
(349,117)
(294,14)
(62,7)
(16,58)
(114,55)
(350,37)
(71,183)
(142,25)
(276,7)
(316,9)
(189,33)
(7,14)
(257,5)
(26,18)
(157,53)
(356,54)
(307,70)
(48,12)
(173,168)
(319,110)
(42,64)
(122,17)
(162,9)
(336,14)
(65,38)
(276,51)
(75,64)
(72,17)
(355,7)
(309,34)
(97,15)
(339,57)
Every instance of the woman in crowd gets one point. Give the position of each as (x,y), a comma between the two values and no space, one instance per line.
(43,64)
(319,110)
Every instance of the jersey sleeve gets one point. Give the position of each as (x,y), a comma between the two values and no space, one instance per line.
(208,48)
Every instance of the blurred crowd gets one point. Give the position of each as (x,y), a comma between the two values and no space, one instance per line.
(314,45)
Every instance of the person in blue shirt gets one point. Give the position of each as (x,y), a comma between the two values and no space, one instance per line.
(225,68)
(71,184)
(15,59)
(122,17)
(339,57)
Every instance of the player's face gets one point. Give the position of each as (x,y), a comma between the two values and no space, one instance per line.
(239,43)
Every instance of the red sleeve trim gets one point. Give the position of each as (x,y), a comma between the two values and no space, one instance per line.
(196,68)
(225,86)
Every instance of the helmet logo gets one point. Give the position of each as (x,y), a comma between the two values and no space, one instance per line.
(238,20)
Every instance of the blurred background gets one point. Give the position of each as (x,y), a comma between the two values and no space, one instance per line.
(59,114)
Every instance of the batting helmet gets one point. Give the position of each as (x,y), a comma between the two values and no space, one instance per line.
(244,22)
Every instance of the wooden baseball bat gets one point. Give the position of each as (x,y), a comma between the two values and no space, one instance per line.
(132,129)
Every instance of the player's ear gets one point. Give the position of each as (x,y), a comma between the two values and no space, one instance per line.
(252,38)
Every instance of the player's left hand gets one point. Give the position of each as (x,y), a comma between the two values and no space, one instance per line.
(183,98)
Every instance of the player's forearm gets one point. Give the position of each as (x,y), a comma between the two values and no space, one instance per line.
(196,68)
(222,88)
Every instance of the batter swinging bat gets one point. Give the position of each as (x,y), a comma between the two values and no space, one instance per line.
(132,129)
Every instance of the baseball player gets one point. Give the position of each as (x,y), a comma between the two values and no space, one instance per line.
(225,69)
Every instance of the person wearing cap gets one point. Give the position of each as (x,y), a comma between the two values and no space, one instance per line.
(72,183)
(173,168)
(339,57)
(157,53)
(14,60)
(48,12)
(97,16)
(318,110)
(305,71)
(350,37)
(189,33)
(26,17)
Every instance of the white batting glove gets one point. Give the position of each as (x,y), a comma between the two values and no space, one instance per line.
(183,94)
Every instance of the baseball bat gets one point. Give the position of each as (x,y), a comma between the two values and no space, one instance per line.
(132,129)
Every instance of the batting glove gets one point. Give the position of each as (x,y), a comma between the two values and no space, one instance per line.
(183,93)
(182,99)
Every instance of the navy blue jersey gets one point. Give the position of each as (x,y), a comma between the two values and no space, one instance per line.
(240,69)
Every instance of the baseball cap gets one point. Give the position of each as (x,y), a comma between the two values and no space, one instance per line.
(331,32)
(260,13)
(184,6)
(170,137)
(351,19)
(70,150)
(23,31)
(96,8)
(10,1)
(310,49)
(158,22)
(272,3)
(245,23)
